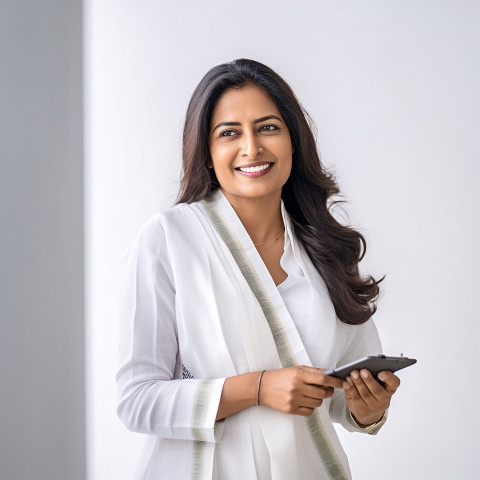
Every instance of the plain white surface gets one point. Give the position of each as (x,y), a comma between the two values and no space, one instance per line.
(393,88)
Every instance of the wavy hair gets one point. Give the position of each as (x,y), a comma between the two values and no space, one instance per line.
(334,249)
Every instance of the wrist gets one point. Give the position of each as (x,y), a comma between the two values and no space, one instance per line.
(370,426)
(366,422)
(251,390)
(264,388)
(239,392)
(259,386)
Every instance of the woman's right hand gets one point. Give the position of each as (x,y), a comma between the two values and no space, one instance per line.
(296,390)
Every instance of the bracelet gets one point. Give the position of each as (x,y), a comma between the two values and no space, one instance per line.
(374,426)
(258,387)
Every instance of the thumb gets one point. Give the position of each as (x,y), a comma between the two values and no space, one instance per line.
(391,381)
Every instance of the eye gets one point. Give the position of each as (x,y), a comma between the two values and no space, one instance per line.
(268,128)
(227,133)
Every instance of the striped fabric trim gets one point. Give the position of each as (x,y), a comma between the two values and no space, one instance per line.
(200,408)
(199,413)
(198,462)
(326,452)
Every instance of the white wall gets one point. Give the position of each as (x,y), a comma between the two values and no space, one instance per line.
(393,87)
(42,394)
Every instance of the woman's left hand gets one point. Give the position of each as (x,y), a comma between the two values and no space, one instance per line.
(367,399)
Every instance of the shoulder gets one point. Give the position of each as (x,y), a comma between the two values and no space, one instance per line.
(178,214)
(156,225)
(147,242)
(360,340)
(163,227)
(365,328)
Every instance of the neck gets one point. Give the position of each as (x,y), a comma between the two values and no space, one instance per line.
(261,217)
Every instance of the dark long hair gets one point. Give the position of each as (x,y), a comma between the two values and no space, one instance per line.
(334,249)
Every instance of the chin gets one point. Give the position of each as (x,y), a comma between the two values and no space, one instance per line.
(254,193)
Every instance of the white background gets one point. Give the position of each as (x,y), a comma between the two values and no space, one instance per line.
(393,88)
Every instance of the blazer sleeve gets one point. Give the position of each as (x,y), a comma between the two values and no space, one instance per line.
(152,397)
(364,342)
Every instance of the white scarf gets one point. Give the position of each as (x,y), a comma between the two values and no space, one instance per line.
(332,462)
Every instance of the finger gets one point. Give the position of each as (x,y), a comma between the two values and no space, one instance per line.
(350,390)
(308,369)
(362,387)
(304,411)
(375,388)
(391,381)
(315,391)
(332,381)
(311,402)
(317,377)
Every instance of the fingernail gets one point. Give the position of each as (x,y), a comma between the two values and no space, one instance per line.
(364,373)
(354,375)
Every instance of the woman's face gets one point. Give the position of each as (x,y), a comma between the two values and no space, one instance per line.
(249,144)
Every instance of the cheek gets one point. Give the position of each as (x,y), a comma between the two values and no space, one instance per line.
(222,169)
(221,159)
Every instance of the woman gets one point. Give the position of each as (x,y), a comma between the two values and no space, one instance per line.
(236,299)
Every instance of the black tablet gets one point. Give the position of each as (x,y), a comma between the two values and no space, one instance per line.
(375,364)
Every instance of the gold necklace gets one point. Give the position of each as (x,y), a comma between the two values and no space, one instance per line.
(268,241)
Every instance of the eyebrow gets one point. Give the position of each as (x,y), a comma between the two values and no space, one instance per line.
(258,120)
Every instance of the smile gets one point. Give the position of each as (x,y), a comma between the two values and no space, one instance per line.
(255,170)
(258,168)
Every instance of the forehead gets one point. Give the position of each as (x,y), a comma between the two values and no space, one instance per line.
(245,101)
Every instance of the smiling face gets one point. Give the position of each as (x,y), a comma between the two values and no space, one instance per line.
(250,144)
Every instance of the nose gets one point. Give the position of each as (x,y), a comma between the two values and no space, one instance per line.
(250,145)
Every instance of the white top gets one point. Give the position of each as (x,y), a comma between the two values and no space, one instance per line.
(188,320)
(295,290)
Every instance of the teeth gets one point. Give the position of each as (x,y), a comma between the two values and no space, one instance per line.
(254,169)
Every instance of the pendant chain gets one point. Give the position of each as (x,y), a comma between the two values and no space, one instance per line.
(271,240)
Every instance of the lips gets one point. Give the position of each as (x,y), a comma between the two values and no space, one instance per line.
(255,169)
